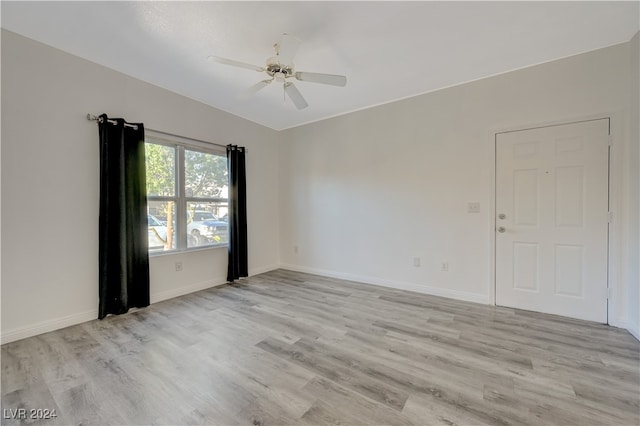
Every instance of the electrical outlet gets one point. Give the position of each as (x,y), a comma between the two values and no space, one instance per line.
(416,262)
(295,249)
(444,266)
(178,266)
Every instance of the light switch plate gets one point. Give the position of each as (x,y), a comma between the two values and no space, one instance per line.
(473,207)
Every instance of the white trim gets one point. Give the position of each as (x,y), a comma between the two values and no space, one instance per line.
(633,330)
(491,291)
(197,144)
(192,288)
(602,115)
(47,326)
(263,269)
(627,326)
(74,319)
(617,304)
(67,321)
(400,285)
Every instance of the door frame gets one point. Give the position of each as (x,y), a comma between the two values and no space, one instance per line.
(616,133)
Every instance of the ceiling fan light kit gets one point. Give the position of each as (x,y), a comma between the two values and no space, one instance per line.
(280,68)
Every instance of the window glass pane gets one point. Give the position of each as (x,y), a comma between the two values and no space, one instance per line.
(205,175)
(162,225)
(161,170)
(201,199)
(207,223)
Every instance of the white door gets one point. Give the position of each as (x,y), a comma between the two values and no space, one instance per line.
(552,219)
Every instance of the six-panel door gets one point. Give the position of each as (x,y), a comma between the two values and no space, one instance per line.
(552,219)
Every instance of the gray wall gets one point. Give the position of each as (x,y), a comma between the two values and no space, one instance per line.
(365,193)
(50,184)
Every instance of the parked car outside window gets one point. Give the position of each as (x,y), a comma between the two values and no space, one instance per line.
(203,228)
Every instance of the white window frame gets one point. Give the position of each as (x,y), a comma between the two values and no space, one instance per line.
(180,144)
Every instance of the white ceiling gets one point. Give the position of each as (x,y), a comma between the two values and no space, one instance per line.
(387,50)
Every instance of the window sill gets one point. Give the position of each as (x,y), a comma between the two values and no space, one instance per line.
(188,250)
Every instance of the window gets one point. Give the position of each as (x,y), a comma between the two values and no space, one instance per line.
(186,194)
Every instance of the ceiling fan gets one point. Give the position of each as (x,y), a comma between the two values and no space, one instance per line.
(280,69)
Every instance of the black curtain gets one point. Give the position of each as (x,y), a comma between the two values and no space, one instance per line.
(123,246)
(238,263)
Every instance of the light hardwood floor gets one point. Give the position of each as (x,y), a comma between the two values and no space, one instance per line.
(290,348)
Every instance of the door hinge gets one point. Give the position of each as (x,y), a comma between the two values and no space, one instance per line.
(610,217)
(609,293)
(610,140)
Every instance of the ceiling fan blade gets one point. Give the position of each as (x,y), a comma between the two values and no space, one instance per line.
(314,77)
(255,88)
(235,63)
(287,48)
(292,91)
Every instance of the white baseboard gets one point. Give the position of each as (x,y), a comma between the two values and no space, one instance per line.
(263,269)
(618,323)
(74,319)
(69,320)
(400,285)
(633,330)
(47,326)
(181,291)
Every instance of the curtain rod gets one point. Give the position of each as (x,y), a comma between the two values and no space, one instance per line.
(92,117)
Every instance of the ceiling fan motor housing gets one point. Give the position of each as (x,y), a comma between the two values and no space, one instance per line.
(275,68)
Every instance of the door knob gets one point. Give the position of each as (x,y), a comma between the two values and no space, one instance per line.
(501,229)
(502,216)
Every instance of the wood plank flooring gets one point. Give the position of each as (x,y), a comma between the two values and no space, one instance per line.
(286,348)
